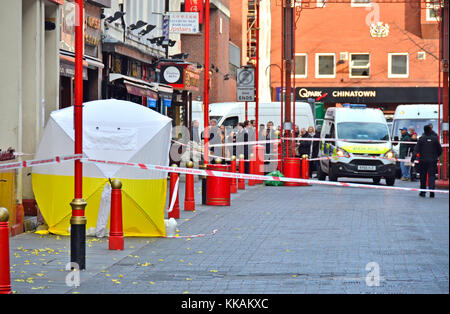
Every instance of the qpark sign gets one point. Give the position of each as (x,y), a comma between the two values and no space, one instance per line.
(367,95)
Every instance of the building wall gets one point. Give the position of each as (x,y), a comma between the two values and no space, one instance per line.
(342,28)
(220,90)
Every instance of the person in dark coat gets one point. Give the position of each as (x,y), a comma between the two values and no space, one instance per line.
(313,165)
(403,152)
(428,149)
(304,147)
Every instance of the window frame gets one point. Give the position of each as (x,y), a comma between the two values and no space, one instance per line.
(358,4)
(319,54)
(295,75)
(390,74)
(350,67)
(431,6)
(321,3)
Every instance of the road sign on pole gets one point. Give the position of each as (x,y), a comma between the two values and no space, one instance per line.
(246,84)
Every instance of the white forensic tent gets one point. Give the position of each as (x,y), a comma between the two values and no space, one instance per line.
(112,130)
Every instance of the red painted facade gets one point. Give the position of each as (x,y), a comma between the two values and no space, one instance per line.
(342,29)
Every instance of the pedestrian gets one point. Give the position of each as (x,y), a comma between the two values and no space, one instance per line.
(412,172)
(428,149)
(403,152)
(304,146)
(195,136)
(313,165)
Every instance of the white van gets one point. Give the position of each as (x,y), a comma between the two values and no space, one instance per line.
(357,156)
(416,116)
(231,113)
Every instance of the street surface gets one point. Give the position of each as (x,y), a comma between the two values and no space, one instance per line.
(312,239)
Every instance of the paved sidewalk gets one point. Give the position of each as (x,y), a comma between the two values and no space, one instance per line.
(311,239)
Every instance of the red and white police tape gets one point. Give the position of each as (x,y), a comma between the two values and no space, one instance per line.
(252,176)
(39,162)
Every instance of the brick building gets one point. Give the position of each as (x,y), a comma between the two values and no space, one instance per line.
(360,51)
(224,54)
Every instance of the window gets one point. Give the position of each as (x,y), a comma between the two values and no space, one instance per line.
(301,65)
(359,65)
(325,65)
(361,3)
(433,7)
(321,3)
(398,65)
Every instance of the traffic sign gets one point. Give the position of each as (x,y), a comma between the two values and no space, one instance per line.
(245,84)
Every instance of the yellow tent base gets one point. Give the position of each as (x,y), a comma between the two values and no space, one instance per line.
(143,203)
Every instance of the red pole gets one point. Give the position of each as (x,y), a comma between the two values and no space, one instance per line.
(5,274)
(305,169)
(175,213)
(241,182)
(246,110)
(206,85)
(293,83)
(233,186)
(189,200)
(78,219)
(116,226)
(445,30)
(252,167)
(257,74)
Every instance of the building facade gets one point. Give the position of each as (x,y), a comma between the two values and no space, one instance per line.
(361,51)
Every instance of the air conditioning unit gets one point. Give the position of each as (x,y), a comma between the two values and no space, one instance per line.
(343,56)
(421,55)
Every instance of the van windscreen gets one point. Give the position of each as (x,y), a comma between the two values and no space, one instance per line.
(417,124)
(362,131)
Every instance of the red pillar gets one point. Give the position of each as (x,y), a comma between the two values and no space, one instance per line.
(78,219)
(206,85)
(258,151)
(218,190)
(241,182)
(116,225)
(305,169)
(233,186)
(292,170)
(175,213)
(5,275)
(189,200)
(252,167)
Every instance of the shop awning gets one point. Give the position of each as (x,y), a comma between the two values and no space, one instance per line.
(135,86)
(164,91)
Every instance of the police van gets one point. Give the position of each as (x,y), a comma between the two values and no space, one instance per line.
(357,143)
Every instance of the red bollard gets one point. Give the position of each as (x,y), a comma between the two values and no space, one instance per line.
(189,200)
(116,226)
(258,151)
(252,168)
(291,170)
(233,186)
(305,169)
(241,182)
(218,188)
(5,275)
(175,213)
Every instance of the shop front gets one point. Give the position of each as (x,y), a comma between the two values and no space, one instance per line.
(92,63)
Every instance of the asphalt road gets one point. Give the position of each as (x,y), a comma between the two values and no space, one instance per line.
(313,239)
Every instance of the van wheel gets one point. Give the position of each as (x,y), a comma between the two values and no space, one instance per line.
(331,175)
(320,174)
(390,181)
(376,180)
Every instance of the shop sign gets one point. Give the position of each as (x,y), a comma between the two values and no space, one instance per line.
(374,95)
(191,78)
(68,26)
(183,23)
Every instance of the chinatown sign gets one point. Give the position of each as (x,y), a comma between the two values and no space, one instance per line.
(367,95)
